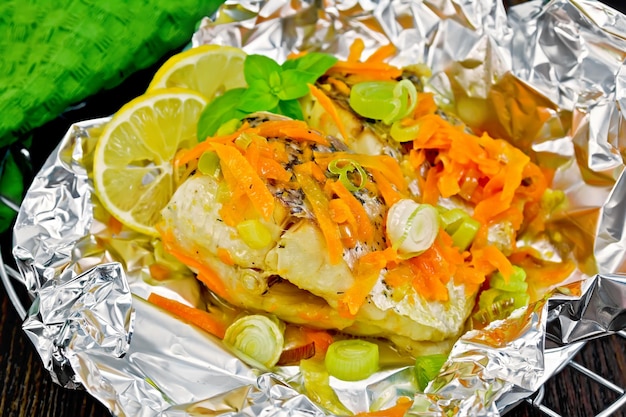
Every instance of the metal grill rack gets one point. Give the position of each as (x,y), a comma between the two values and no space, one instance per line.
(536,400)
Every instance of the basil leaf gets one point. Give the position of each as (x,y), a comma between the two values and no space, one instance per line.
(259,68)
(289,108)
(219,111)
(294,84)
(257,97)
(314,62)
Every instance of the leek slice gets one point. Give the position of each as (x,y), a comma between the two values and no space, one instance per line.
(516,282)
(256,339)
(465,233)
(384,100)
(254,233)
(209,163)
(352,360)
(427,367)
(347,166)
(412,227)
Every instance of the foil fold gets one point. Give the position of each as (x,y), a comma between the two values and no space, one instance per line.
(549,78)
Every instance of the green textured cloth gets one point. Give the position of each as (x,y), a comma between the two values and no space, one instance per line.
(55,53)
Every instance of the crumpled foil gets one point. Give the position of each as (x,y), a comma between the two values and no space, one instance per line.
(548,77)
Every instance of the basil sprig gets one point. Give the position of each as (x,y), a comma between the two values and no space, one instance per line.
(271,87)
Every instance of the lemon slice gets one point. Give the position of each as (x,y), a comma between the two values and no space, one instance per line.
(133,169)
(207,69)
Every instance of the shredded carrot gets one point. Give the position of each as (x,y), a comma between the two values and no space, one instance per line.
(489,258)
(159,272)
(319,203)
(200,318)
(385,188)
(339,85)
(291,129)
(247,179)
(186,155)
(271,169)
(425,105)
(382,53)
(399,410)
(225,256)
(320,338)
(330,108)
(312,169)
(236,207)
(341,214)
(356,49)
(204,272)
(366,274)
(294,55)
(369,70)
(365,227)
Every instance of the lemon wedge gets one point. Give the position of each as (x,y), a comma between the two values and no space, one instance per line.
(208,69)
(133,171)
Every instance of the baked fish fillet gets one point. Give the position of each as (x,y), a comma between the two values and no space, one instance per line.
(294,277)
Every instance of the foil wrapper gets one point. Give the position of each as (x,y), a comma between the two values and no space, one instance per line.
(550,78)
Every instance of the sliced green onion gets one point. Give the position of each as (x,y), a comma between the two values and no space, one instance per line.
(383,100)
(257,340)
(348,166)
(488,297)
(427,367)
(243,140)
(464,235)
(229,127)
(352,360)
(254,233)
(451,219)
(516,299)
(401,133)
(317,386)
(412,227)
(209,163)
(516,282)
(494,310)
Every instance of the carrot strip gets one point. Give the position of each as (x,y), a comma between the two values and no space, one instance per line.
(320,338)
(356,49)
(399,410)
(369,70)
(366,274)
(247,178)
(200,318)
(339,85)
(196,152)
(225,257)
(489,259)
(269,168)
(382,53)
(425,105)
(204,272)
(385,188)
(364,225)
(291,129)
(330,108)
(319,204)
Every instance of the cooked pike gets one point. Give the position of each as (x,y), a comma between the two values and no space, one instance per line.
(294,276)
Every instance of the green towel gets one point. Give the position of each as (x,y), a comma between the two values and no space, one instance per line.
(57,53)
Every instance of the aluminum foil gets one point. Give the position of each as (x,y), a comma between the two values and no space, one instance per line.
(549,78)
